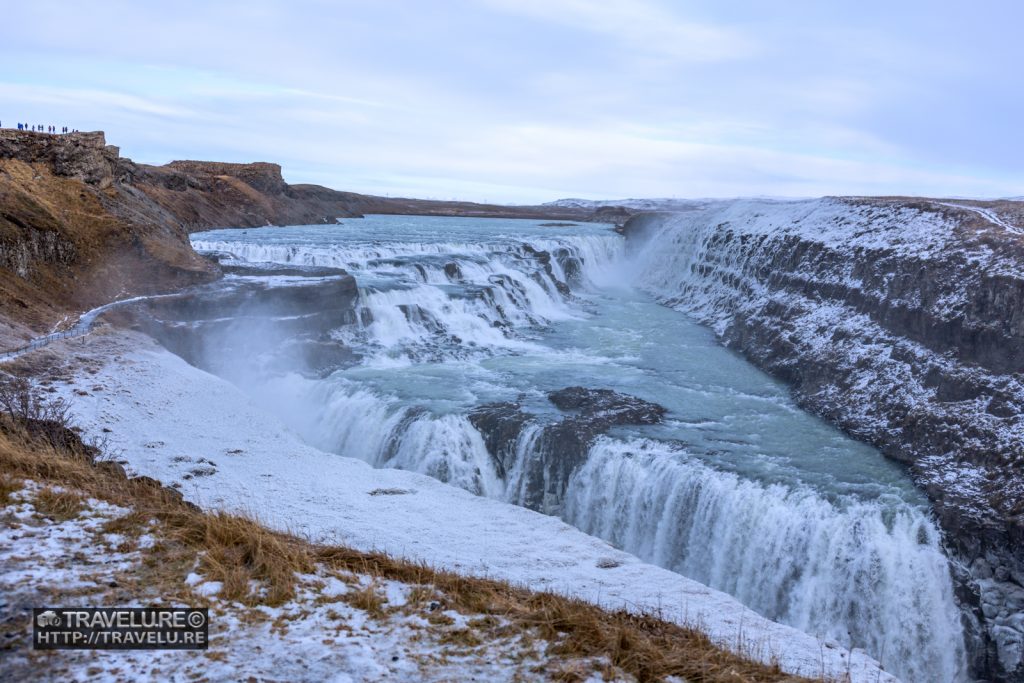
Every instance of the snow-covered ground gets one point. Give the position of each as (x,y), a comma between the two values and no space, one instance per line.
(653,204)
(319,635)
(197,432)
(988,215)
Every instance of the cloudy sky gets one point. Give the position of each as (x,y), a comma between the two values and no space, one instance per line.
(532,100)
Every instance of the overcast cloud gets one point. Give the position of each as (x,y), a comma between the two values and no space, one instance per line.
(532,100)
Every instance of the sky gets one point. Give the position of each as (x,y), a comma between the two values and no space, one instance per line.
(524,101)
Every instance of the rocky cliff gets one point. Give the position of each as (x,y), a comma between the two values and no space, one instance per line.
(75,232)
(205,195)
(902,322)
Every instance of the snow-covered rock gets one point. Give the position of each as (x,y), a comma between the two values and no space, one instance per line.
(902,321)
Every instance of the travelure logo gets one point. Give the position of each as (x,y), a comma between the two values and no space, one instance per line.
(116,628)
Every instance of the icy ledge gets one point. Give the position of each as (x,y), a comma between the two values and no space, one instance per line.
(183,426)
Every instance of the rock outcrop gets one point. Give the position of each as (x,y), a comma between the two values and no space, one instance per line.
(74,233)
(902,322)
(81,156)
(204,195)
(236,327)
(538,457)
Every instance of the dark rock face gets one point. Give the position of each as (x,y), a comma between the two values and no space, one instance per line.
(544,259)
(543,457)
(605,405)
(452,271)
(902,323)
(501,424)
(36,247)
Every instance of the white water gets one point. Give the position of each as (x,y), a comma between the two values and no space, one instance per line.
(738,489)
(857,572)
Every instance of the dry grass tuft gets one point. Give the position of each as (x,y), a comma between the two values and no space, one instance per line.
(368,599)
(132,524)
(237,551)
(59,506)
(461,637)
(8,485)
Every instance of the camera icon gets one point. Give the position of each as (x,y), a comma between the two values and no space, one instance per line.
(48,618)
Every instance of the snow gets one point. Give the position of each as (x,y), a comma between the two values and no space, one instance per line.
(166,415)
(37,555)
(81,327)
(988,215)
(657,203)
(660,204)
(317,636)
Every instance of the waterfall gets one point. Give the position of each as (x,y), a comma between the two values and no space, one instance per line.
(422,301)
(342,417)
(863,573)
(592,254)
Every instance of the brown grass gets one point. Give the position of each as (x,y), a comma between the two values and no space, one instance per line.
(59,506)
(8,485)
(461,637)
(367,599)
(236,550)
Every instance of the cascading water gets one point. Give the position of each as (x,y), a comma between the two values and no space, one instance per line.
(854,571)
(738,488)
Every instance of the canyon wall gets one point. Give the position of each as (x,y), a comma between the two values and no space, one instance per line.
(900,321)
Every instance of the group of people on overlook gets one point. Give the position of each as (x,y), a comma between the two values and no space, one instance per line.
(39,128)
